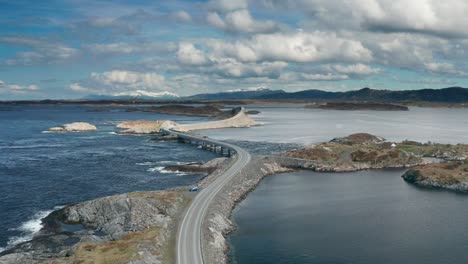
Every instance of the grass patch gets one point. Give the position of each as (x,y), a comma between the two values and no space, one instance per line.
(115,252)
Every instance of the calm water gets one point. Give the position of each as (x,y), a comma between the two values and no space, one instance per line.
(363,217)
(306,126)
(40,171)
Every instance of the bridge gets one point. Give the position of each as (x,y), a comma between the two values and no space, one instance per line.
(204,142)
(190,236)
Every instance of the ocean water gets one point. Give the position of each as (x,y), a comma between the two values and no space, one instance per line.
(310,126)
(345,218)
(40,172)
(363,217)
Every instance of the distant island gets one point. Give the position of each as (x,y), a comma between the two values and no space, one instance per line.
(358,106)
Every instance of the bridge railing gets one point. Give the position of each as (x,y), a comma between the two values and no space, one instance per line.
(205,142)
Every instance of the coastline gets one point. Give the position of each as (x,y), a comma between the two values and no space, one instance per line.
(217,224)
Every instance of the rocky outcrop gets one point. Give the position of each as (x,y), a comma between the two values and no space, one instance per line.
(74,127)
(140,127)
(188,110)
(241,119)
(146,127)
(128,228)
(197,167)
(359,138)
(451,176)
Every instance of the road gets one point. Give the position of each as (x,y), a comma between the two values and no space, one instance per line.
(189,238)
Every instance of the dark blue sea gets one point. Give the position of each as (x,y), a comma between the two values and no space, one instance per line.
(42,171)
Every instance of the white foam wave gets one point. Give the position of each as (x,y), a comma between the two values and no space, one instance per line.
(29,228)
(161,169)
(164,162)
(32,146)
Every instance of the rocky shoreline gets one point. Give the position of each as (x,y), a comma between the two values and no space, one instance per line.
(450,176)
(140,227)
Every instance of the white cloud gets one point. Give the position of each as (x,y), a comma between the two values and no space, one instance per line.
(293,47)
(42,51)
(78,88)
(241,21)
(434,17)
(324,77)
(118,79)
(16,88)
(189,54)
(356,69)
(234,69)
(181,16)
(129,48)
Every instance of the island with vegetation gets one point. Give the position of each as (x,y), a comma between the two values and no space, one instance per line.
(450,175)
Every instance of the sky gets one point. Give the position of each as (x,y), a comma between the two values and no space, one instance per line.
(60,49)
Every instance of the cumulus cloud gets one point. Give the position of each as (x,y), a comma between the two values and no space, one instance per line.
(16,88)
(42,51)
(118,81)
(241,21)
(231,68)
(299,47)
(441,18)
(78,88)
(189,54)
(127,79)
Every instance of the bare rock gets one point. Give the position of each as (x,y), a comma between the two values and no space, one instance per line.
(207,167)
(74,127)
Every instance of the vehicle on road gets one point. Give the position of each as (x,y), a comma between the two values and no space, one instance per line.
(194,189)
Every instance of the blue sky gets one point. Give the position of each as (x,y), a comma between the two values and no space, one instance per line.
(73,48)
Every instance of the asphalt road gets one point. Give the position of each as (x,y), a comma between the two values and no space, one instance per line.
(189,237)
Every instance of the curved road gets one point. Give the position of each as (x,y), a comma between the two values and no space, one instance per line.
(189,236)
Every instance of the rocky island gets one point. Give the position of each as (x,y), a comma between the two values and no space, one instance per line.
(74,127)
(208,110)
(237,118)
(355,152)
(451,176)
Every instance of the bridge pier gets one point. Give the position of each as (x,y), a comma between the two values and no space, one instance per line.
(203,143)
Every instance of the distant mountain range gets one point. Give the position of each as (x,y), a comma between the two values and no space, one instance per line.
(138,95)
(445,95)
(237,94)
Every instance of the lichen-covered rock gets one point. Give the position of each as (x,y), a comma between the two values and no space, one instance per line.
(359,138)
(140,127)
(207,167)
(74,127)
(451,176)
(355,152)
(128,228)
